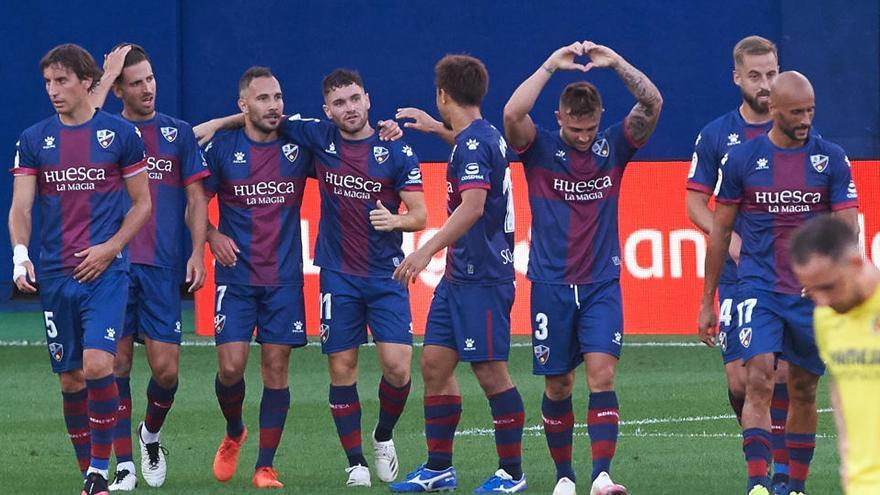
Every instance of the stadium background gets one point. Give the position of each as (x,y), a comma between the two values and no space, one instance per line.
(200,48)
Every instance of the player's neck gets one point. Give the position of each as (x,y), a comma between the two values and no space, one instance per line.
(781,140)
(137,117)
(365,132)
(79,115)
(869,282)
(462,117)
(751,116)
(259,136)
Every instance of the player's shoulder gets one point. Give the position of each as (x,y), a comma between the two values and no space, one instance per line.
(400,149)
(165,120)
(720,126)
(45,126)
(223,140)
(821,144)
(756,145)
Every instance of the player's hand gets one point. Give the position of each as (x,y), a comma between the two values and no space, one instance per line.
(195,272)
(707,324)
(205,131)
(382,219)
(600,56)
(412,266)
(389,130)
(563,58)
(96,259)
(114,61)
(735,246)
(24,277)
(421,121)
(224,249)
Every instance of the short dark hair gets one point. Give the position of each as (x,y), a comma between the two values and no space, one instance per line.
(825,235)
(249,75)
(341,78)
(75,59)
(136,55)
(752,45)
(580,98)
(463,77)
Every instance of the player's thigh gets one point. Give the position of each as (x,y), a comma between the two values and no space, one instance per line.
(600,318)
(160,305)
(759,323)
(59,298)
(343,312)
(281,316)
(554,335)
(103,311)
(235,313)
(439,330)
(799,342)
(728,340)
(481,320)
(388,311)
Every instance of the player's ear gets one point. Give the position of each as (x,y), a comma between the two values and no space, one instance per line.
(736,79)
(367,96)
(242,105)
(327,111)
(558,118)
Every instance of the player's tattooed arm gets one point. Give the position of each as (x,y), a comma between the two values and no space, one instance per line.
(518,125)
(423,122)
(642,119)
(113,65)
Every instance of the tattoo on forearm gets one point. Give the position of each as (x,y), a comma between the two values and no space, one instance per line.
(642,119)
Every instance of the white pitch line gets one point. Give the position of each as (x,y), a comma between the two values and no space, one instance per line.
(210,343)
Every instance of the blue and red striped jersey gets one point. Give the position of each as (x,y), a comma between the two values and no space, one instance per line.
(259,188)
(80,175)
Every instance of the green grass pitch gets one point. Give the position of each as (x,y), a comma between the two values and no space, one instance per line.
(677,435)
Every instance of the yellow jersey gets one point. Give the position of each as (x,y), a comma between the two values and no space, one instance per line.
(849,344)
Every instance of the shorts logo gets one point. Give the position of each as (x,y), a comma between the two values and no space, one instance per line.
(110,334)
(618,338)
(169,133)
(325,332)
(722,341)
(542,354)
(219,323)
(57,351)
(177,326)
(600,148)
(291,151)
(745,336)
(469,345)
(105,137)
(380,153)
(819,162)
(297,327)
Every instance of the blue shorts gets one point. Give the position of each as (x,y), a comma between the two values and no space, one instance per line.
(153,304)
(571,320)
(728,339)
(350,303)
(277,313)
(778,323)
(82,316)
(471,319)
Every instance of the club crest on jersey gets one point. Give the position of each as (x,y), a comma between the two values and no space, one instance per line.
(762,164)
(57,351)
(600,147)
(325,332)
(380,154)
(291,151)
(745,336)
(219,323)
(819,162)
(105,137)
(169,133)
(542,353)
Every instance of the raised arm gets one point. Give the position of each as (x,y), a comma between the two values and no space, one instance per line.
(642,119)
(518,125)
(113,65)
(205,131)
(423,122)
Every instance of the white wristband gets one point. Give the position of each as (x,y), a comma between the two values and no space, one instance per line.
(19,254)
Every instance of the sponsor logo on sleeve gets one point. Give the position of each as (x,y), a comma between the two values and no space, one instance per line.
(733,139)
(472,144)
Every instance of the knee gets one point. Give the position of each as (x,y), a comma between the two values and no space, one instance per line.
(601,380)
(559,387)
(802,389)
(396,373)
(166,377)
(122,365)
(72,381)
(493,377)
(343,369)
(230,372)
(274,368)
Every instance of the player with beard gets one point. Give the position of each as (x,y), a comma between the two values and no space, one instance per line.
(176,169)
(258,177)
(772,184)
(363,182)
(755,67)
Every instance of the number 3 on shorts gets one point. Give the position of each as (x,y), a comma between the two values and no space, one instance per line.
(541,331)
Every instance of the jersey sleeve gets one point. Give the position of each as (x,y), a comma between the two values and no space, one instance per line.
(26,162)
(703,174)
(211,182)
(193,165)
(531,153)
(621,143)
(132,157)
(473,166)
(311,133)
(409,177)
(731,190)
(843,189)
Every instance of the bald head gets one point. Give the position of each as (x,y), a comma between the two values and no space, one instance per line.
(792,105)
